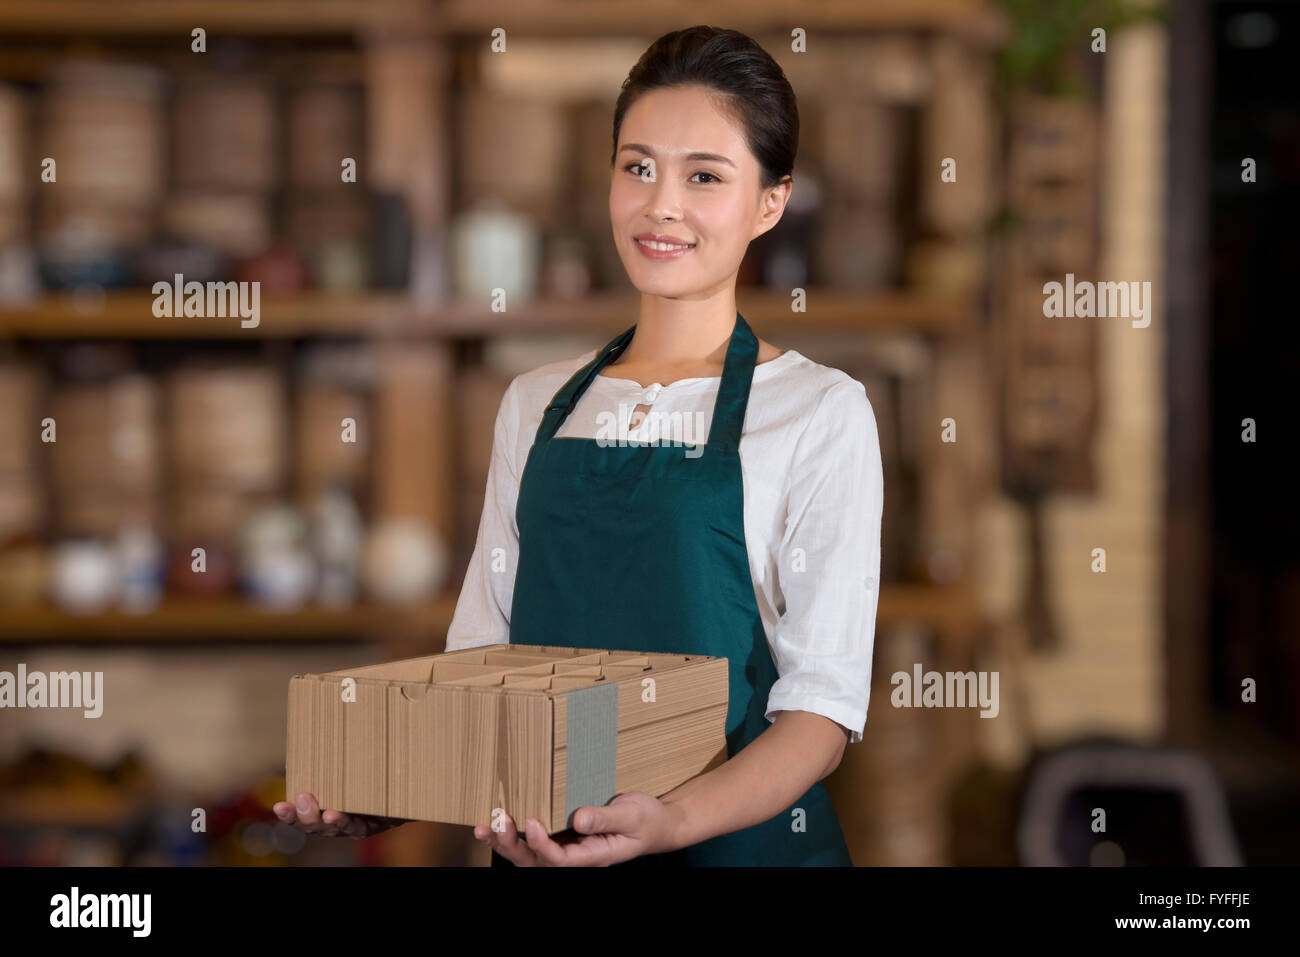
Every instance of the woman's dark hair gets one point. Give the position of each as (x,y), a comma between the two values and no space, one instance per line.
(752,85)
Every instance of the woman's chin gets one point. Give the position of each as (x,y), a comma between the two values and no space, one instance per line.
(651,285)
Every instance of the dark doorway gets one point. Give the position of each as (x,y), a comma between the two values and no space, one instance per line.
(1233,584)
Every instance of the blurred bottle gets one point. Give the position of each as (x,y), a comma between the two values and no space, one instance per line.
(337,537)
(141,565)
(390,242)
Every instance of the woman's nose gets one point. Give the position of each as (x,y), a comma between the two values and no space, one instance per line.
(662,210)
(664,200)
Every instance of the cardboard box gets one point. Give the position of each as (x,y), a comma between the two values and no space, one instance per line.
(536,731)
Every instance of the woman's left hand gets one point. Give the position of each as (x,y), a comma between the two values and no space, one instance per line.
(632,824)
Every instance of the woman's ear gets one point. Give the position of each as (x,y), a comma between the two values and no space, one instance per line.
(773,205)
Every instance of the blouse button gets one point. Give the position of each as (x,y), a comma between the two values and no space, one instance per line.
(652,392)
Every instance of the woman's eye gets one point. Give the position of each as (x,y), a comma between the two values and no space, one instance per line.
(640,169)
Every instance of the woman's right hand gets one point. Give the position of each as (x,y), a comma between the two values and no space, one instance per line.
(306,815)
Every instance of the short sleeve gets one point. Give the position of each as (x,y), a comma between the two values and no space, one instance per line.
(829,563)
(482,614)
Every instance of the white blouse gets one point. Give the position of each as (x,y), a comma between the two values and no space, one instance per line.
(813,492)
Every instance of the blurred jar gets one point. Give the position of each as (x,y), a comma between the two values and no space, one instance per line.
(496,248)
(276,565)
(85,578)
(404,562)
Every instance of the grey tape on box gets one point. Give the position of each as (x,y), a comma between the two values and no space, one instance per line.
(592,747)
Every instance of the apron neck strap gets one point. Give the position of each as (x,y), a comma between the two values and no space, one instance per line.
(571,391)
(733,390)
(728,411)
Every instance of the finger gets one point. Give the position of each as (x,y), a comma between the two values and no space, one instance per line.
(610,819)
(309,817)
(591,850)
(506,833)
(506,839)
(287,812)
(334,823)
(509,844)
(546,850)
(340,819)
(308,809)
(490,835)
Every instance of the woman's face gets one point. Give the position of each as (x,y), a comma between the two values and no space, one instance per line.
(684,171)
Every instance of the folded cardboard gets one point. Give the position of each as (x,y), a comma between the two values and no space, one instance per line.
(529,730)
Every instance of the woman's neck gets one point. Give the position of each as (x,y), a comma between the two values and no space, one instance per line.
(681,334)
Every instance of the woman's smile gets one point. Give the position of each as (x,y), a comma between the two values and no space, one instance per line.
(661,247)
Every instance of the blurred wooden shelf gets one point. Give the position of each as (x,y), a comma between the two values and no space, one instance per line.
(979,18)
(951,610)
(247,17)
(569,17)
(129,315)
(60,807)
(233,619)
(828,310)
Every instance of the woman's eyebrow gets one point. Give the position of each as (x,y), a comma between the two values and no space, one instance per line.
(690,157)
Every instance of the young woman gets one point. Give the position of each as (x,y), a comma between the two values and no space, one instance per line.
(747,529)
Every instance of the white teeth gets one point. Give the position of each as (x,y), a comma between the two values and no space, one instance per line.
(664,247)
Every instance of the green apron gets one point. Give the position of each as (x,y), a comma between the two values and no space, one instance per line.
(641,547)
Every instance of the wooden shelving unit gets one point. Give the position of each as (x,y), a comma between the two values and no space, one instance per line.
(231,619)
(129,315)
(577,17)
(244,17)
(949,610)
(470,17)
(403,52)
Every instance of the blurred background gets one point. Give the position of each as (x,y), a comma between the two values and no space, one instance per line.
(330,461)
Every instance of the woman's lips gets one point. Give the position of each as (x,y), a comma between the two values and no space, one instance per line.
(661,254)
